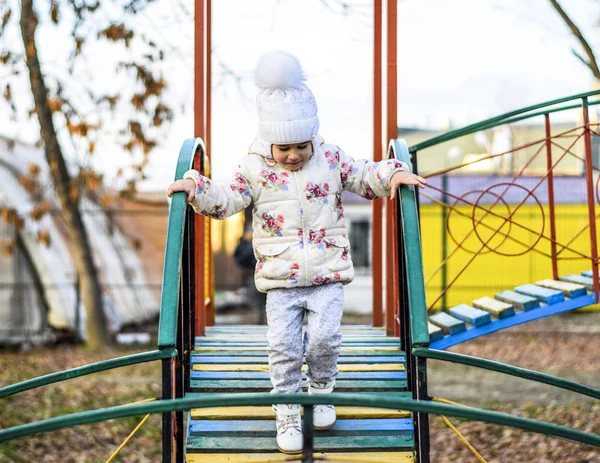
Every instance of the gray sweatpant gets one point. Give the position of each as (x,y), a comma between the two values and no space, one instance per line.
(322,340)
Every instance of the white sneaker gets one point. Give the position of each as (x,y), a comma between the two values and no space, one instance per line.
(289,428)
(323,415)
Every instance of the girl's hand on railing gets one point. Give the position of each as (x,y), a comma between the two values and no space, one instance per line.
(188,186)
(406,178)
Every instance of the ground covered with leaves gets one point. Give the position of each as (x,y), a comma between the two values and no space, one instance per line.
(565,346)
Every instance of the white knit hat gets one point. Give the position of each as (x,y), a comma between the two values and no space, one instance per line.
(287,109)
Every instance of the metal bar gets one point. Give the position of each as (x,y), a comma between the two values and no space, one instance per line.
(422,419)
(377,206)
(209,292)
(308,431)
(391,133)
(178,434)
(507,369)
(167,416)
(403,301)
(199,131)
(444,240)
(86,370)
(336,398)
(501,119)
(199,257)
(551,197)
(590,195)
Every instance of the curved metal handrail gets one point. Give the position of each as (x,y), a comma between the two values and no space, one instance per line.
(88,369)
(167,328)
(506,369)
(414,258)
(358,400)
(506,118)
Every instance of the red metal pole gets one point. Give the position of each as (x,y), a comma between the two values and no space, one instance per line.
(199,126)
(550,178)
(210,290)
(377,207)
(391,133)
(589,168)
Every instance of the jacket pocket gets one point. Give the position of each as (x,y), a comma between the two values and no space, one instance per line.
(274,261)
(337,253)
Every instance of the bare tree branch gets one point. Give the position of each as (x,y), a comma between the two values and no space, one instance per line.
(592,64)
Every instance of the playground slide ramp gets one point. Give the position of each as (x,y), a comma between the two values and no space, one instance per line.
(508,308)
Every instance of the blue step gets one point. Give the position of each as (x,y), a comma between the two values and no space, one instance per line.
(448,323)
(470,315)
(549,296)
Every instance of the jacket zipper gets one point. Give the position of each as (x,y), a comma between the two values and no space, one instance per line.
(305,231)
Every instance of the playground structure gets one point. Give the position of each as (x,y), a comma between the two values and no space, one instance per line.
(219,374)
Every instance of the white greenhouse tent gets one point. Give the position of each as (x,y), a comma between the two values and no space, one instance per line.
(39,300)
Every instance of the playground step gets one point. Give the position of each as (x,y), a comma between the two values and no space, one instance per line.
(571,290)
(520,301)
(549,296)
(278,457)
(234,360)
(264,385)
(435,332)
(497,308)
(580,280)
(447,323)
(470,315)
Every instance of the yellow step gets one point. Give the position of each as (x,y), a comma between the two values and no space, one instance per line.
(267,413)
(342,457)
(265,367)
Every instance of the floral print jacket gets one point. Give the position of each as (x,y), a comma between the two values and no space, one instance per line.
(300,235)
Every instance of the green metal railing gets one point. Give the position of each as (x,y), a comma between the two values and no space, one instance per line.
(507,118)
(339,399)
(176,318)
(413,306)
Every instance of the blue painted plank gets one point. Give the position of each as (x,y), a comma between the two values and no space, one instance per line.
(435,332)
(521,301)
(258,360)
(470,315)
(448,323)
(517,319)
(369,425)
(549,296)
(202,343)
(588,273)
(243,385)
(261,375)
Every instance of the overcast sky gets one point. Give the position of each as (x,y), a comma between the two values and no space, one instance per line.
(458,61)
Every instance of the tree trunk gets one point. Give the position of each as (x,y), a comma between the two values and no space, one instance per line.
(97,332)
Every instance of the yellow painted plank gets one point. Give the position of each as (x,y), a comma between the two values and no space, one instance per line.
(492,306)
(265,367)
(342,457)
(267,413)
(344,349)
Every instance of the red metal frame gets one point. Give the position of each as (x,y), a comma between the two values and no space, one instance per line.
(202,128)
(551,196)
(392,327)
(590,194)
(205,313)
(377,206)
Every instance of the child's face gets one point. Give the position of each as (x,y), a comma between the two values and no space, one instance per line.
(292,157)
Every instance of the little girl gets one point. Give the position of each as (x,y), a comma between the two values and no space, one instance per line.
(294,181)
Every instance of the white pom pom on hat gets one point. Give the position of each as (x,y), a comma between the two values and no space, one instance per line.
(278,69)
(287,109)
